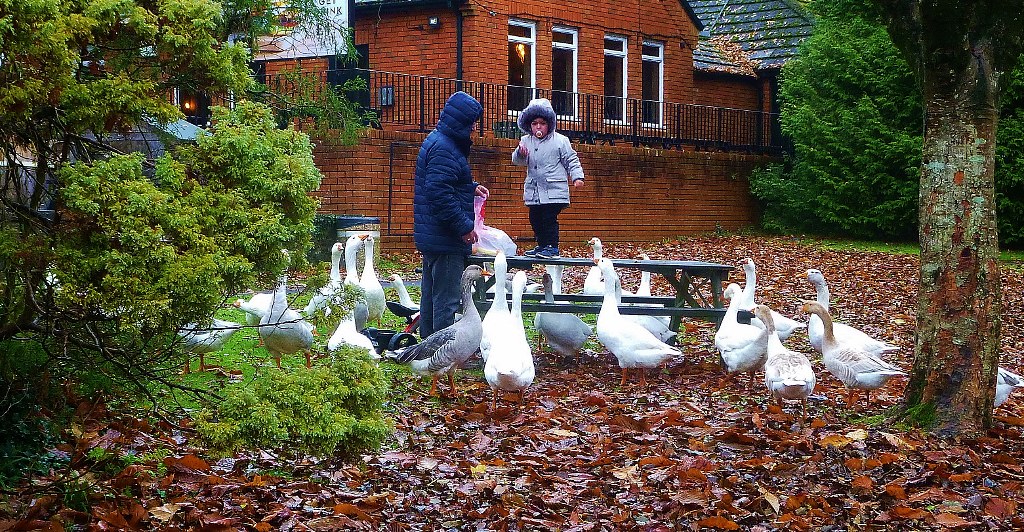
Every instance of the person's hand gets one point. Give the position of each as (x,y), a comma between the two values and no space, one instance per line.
(481,191)
(523,150)
(470,237)
(578,183)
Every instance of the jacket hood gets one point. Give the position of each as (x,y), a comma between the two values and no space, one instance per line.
(458,115)
(541,107)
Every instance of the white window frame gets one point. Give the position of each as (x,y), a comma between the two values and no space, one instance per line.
(624,55)
(575,49)
(660,59)
(531,42)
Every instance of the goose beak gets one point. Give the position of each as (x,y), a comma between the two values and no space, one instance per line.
(485,272)
(363,237)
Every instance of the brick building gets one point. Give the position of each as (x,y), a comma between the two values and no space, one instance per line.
(632,78)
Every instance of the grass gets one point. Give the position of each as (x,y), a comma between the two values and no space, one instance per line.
(1013,258)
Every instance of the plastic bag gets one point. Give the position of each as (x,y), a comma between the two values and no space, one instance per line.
(491,239)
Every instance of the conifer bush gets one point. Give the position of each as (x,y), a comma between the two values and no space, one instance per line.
(852,108)
(335,409)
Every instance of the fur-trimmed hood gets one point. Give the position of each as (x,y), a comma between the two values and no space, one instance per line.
(541,107)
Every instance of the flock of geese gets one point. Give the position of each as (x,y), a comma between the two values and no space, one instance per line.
(638,342)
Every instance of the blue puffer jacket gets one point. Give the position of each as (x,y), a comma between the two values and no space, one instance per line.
(443,198)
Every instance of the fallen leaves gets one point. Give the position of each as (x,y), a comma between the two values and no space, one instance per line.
(688,452)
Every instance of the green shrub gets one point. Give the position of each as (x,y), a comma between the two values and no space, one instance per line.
(852,108)
(333,409)
(849,104)
(31,413)
(1010,159)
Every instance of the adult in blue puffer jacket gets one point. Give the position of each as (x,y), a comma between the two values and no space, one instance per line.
(443,210)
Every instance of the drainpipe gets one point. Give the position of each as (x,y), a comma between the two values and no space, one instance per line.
(458,42)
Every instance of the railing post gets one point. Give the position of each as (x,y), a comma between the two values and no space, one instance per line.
(483,106)
(423,104)
(721,118)
(635,129)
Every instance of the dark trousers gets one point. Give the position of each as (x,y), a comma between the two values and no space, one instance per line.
(439,291)
(544,220)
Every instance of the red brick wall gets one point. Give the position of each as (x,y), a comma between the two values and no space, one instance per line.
(401,42)
(732,92)
(404,43)
(632,194)
(282,66)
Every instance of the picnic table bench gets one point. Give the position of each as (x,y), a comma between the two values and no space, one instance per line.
(698,287)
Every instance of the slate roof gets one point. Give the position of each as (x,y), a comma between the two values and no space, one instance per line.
(768,32)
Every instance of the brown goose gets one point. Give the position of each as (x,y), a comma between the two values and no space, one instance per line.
(446,350)
(850,363)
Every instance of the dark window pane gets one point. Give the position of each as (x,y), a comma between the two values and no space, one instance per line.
(613,76)
(520,70)
(562,75)
(651,92)
(520,31)
(651,50)
(563,37)
(614,44)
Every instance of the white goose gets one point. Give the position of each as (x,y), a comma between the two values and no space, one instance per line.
(783,325)
(446,350)
(787,374)
(509,367)
(742,348)
(282,328)
(206,340)
(1006,381)
(498,318)
(255,307)
(654,324)
(851,364)
(632,345)
(845,334)
(593,285)
(347,335)
(326,293)
(565,333)
(403,293)
(352,246)
(372,289)
(644,289)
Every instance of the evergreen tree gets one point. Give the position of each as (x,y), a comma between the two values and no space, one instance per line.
(106,254)
(853,110)
(849,106)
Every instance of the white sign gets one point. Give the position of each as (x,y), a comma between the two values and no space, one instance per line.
(297,42)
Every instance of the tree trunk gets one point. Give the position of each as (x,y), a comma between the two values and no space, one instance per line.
(958,311)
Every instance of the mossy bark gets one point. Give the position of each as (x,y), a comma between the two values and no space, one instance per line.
(958,311)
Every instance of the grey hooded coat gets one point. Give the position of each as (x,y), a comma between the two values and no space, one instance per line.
(551,161)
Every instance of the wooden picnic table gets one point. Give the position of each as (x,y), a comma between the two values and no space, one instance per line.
(698,287)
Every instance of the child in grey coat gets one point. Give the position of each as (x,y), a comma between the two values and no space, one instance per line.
(551,163)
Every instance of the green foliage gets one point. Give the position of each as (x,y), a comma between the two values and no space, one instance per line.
(1010,158)
(105,254)
(853,109)
(849,105)
(26,429)
(326,410)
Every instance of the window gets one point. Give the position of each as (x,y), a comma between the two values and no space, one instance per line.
(615,78)
(194,105)
(653,71)
(563,70)
(521,41)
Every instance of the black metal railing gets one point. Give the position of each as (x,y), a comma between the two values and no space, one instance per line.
(415,102)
